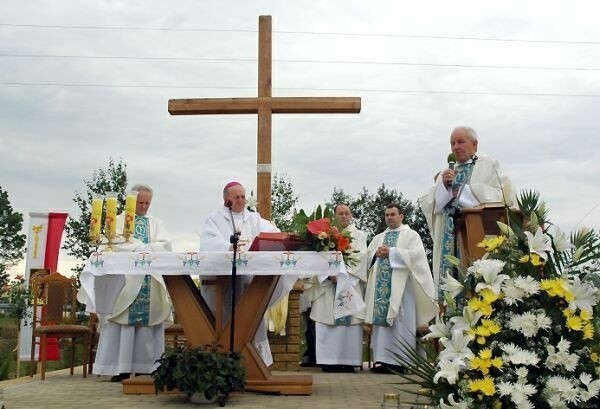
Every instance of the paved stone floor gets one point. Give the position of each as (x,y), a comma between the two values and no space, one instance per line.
(60,390)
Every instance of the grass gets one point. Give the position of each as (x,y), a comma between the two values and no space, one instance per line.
(9,331)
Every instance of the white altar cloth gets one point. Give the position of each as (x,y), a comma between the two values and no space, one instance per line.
(103,274)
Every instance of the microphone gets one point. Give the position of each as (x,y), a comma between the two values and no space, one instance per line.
(228,204)
(451,160)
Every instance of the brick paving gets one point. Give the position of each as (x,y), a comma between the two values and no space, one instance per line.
(60,390)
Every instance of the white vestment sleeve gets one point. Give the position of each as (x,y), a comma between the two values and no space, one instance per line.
(467,199)
(396,260)
(212,239)
(442,197)
(267,227)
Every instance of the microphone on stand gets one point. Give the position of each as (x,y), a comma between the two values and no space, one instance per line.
(233,239)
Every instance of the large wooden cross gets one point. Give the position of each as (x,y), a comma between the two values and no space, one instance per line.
(264,105)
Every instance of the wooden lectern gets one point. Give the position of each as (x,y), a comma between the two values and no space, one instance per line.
(476,223)
(201,327)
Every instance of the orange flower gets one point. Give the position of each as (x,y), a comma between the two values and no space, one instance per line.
(343,243)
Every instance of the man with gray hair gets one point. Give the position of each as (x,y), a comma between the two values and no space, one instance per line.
(132,337)
(470,179)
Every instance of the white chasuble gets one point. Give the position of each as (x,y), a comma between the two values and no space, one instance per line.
(216,237)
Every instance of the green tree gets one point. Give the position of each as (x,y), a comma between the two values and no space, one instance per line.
(283,202)
(112,179)
(12,241)
(368,211)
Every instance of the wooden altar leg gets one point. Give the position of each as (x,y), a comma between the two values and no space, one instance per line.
(199,328)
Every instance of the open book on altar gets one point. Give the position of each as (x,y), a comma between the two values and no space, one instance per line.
(276,242)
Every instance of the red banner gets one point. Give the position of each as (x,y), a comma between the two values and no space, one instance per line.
(56,226)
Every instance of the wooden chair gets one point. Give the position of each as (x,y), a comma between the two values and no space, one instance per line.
(57,295)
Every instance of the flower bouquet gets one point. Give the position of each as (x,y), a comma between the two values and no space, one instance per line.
(520,327)
(319,232)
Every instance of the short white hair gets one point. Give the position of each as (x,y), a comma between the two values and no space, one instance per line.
(139,187)
(470,131)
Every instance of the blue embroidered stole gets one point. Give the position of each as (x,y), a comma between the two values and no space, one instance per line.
(383,283)
(463,174)
(139,310)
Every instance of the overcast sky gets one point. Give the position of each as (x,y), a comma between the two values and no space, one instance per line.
(525,75)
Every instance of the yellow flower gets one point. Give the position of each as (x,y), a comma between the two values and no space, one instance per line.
(497,362)
(568,295)
(488,295)
(485,385)
(477,304)
(595,357)
(574,323)
(492,326)
(532,258)
(484,361)
(322,236)
(486,329)
(588,331)
(535,259)
(492,244)
(555,287)
(585,315)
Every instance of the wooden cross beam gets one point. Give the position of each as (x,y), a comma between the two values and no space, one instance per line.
(264,105)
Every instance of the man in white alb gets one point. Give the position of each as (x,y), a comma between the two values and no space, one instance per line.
(216,235)
(400,293)
(339,341)
(132,338)
(474,179)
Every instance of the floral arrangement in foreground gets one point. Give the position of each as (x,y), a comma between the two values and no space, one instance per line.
(320,233)
(520,327)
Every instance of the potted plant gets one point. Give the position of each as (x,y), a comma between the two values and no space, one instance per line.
(204,371)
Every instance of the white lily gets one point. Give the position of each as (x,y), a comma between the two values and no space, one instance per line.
(438,330)
(453,403)
(456,347)
(452,285)
(449,370)
(539,243)
(468,320)
(505,229)
(584,296)
(561,241)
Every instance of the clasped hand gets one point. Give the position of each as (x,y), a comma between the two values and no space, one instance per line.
(383,252)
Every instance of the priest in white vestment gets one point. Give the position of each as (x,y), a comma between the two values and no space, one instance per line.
(132,337)
(400,292)
(474,179)
(218,229)
(338,343)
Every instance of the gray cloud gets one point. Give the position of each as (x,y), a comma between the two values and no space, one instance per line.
(53,137)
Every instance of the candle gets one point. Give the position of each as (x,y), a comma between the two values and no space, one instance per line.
(130,206)
(96,216)
(111,215)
